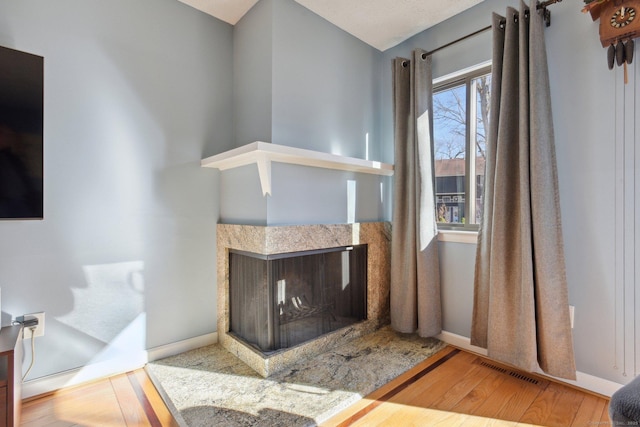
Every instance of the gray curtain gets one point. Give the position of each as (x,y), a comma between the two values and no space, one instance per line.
(415,271)
(521,309)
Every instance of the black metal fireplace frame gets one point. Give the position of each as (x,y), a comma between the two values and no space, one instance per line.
(265,333)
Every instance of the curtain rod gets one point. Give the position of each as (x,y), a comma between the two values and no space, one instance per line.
(543,6)
(475,33)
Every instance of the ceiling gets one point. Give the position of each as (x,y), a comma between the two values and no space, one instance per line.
(379,23)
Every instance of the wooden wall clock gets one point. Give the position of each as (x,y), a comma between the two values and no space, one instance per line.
(619,25)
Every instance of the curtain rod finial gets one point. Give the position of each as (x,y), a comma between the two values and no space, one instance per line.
(547,16)
(546,13)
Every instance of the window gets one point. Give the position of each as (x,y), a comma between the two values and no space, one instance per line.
(460,118)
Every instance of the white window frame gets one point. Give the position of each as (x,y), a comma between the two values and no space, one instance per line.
(464,233)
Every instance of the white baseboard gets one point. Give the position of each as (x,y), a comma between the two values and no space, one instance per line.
(172,349)
(462,342)
(87,373)
(96,371)
(584,381)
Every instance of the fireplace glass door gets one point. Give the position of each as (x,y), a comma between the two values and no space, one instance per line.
(279,301)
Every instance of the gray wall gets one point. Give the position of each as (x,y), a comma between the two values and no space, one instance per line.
(326,85)
(252,69)
(595,126)
(305,195)
(320,89)
(300,195)
(136,93)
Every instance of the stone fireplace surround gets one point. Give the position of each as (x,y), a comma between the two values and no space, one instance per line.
(268,240)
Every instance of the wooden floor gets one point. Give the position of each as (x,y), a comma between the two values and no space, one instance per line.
(457,388)
(123,400)
(453,388)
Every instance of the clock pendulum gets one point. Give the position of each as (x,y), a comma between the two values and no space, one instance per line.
(629,48)
(611,56)
(621,53)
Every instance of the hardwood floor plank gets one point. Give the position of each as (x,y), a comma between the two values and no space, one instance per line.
(541,407)
(453,397)
(510,401)
(385,414)
(550,408)
(470,403)
(393,414)
(69,408)
(604,418)
(563,411)
(431,387)
(38,413)
(415,416)
(589,412)
(162,412)
(518,402)
(132,411)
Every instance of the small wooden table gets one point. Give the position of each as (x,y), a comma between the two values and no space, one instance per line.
(10,375)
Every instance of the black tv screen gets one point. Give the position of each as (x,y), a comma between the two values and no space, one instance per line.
(21,135)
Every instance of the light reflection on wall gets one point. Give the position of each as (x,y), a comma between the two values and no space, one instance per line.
(366,146)
(111,301)
(351,201)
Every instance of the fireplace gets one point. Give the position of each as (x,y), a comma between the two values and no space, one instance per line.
(283,300)
(276,317)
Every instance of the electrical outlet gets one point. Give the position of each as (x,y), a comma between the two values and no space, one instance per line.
(39,331)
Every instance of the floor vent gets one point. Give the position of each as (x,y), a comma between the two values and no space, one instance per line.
(491,366)
(524,377)
(511,373)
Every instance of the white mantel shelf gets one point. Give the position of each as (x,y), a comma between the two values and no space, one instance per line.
(263,153)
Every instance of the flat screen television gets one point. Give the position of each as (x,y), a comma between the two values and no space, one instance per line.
(21,135)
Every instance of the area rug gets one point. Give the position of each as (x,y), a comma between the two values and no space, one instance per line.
(211,387)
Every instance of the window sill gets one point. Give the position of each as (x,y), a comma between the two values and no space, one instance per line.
(456,236)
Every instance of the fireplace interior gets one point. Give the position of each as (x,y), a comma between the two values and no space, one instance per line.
(282,300)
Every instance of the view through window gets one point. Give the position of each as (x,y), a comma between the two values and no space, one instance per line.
(460,117)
